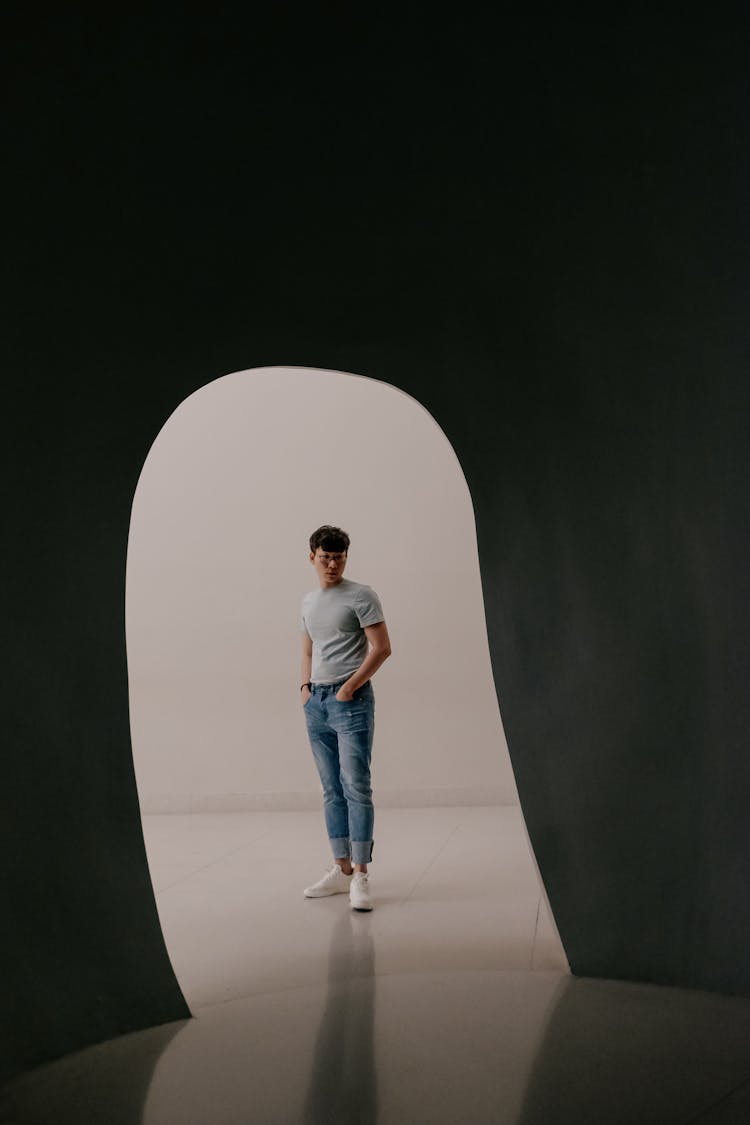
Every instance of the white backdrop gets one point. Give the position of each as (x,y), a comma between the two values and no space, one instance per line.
(240,475)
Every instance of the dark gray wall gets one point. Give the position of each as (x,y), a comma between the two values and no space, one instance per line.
(539,234)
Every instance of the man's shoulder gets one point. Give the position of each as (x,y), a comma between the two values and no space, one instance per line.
(354,586)
(358,591)
(346,590)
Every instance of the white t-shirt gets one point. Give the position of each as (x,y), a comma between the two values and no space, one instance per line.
(334,618)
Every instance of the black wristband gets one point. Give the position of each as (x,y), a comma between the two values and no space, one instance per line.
(308,685)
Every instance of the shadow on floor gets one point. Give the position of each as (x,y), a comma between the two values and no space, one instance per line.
(475,1045)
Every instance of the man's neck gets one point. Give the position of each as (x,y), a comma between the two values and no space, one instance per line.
(330,585)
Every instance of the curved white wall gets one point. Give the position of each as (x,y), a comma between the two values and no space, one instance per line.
(239,476)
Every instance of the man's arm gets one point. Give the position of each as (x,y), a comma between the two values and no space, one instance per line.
(378,637)
(306,665)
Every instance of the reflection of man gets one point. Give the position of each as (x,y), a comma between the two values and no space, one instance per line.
(343,1083)
(344,641)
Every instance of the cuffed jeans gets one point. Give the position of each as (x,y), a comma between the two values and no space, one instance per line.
(341,739)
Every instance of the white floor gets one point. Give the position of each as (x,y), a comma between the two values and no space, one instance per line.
(454,889)
(449,1003)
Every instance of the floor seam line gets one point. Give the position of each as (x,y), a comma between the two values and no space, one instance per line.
(719,1101)
(536,931)
(432,862)
(212,863)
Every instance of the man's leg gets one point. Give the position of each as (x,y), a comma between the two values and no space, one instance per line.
(355,726)
(355,749)
(324,745)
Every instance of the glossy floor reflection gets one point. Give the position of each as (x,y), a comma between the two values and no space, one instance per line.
(362,1031)
(454,888)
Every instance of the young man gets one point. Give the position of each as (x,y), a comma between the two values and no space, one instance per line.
(344,641)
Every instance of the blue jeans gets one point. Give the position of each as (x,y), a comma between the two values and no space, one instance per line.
(341,739)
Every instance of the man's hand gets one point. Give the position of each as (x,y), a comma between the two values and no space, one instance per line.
(306,694)
(344,694)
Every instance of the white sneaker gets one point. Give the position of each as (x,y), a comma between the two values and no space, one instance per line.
(334,882)
(359,892)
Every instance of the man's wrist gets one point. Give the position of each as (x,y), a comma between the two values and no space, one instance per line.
(307,685)
(354,683)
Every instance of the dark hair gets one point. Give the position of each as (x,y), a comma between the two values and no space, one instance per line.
(329,538)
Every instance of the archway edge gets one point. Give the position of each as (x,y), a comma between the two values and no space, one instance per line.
(581,629)
(259,425)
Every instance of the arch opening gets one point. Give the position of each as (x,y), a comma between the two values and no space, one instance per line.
(236,480)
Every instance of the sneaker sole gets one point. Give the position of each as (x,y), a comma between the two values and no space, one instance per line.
(324,894)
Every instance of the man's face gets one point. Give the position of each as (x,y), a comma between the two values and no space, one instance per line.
(329,566)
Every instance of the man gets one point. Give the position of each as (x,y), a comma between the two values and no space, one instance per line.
(344,641)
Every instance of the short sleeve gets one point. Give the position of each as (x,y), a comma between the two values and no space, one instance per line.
(302,625)
(367,607)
